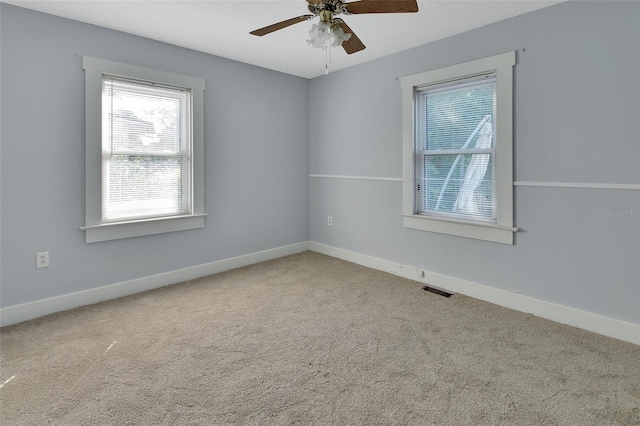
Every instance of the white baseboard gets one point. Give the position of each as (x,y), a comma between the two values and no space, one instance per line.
(611,327)
(18,313)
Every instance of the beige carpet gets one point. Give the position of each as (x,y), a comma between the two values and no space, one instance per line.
(309,339)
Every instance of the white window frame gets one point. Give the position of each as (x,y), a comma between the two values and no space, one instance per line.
(502,231)
(95,229)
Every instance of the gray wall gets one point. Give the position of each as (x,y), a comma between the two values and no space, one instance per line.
(577,115)
(256,146)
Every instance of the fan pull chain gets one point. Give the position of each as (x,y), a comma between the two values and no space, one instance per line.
(327,58)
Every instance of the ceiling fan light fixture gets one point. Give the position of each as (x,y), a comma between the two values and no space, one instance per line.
(322,33)
(319,35)
(339,36)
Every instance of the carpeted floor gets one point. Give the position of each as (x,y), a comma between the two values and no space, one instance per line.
(310,339)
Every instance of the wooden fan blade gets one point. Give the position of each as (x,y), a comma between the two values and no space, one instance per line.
(280,25)
(382,6)
(354,44)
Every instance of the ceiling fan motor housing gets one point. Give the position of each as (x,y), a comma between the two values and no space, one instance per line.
(326,9)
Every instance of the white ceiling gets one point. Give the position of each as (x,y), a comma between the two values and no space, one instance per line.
(222,27)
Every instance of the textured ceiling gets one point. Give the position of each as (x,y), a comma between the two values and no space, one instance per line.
(222,27)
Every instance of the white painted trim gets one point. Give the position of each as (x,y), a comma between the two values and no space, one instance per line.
(600,324)
(18,313)
(587,185)
(138,228)
(476,230)
(630,186)
(148,74)
(462,70)
(391,179)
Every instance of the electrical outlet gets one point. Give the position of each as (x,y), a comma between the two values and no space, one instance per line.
(42,259)
(329,220)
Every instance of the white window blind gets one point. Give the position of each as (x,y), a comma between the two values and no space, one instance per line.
(146,150)
(455,151)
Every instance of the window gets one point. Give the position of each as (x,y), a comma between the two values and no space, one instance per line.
(457,150)
(144,151)
(454,149)
(146,147)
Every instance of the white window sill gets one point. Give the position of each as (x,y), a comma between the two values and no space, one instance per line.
(138,228)
(475,230)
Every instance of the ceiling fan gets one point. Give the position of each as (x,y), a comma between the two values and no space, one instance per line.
(330,26)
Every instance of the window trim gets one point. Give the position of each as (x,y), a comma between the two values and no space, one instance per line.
(502,231)
(95,229)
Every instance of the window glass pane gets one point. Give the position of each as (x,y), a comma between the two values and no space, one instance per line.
(458,185)
(144,186)
(144,118)
(452,114)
